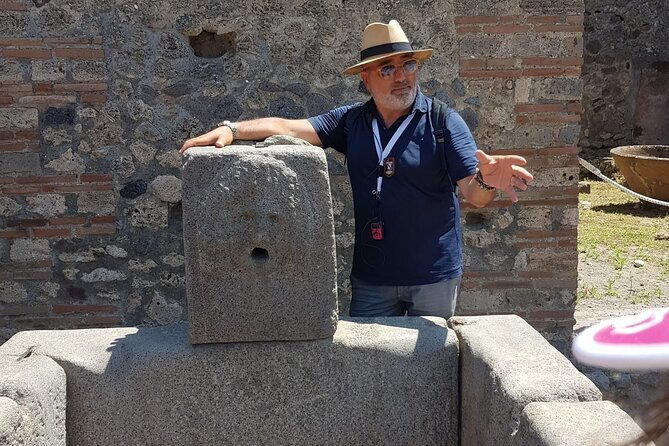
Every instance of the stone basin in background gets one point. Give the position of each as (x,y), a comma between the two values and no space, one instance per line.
(646,169)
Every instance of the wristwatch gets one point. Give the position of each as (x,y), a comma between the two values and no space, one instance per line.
(231,126)
(482,184)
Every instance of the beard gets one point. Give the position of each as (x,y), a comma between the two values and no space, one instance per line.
(398,101)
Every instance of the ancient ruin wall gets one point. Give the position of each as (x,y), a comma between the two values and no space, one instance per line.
(625,74)
(96,97)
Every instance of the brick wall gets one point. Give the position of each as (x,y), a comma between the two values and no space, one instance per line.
(95,99)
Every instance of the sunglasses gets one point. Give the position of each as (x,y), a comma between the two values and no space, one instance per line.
(388,71)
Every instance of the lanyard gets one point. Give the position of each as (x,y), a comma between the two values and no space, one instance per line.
(383,152)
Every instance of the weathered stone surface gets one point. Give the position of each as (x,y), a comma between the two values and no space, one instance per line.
(21,118)
(32,400)
(149,212)
(56,136)
(258,392)
(99,203)
(163,310)
(142,267)
(10,72)
(507,365)
(68,162)
(103,275)
(173,259)
(8,207)
(30,250)
(166,188)
(12,292)
(143,152)
(256,222)
(47,205)
(19,162)
(575,424)
(48,70)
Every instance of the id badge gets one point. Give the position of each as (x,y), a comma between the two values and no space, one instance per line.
(389,167)
(377,229)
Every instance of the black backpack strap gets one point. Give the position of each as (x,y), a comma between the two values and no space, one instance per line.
(438,117)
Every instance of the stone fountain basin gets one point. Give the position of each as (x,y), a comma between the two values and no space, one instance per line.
(645,168)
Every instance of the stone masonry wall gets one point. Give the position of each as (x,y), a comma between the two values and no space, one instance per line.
(96,97)
(625,74)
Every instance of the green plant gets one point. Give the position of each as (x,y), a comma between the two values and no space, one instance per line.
(610,289)
(644,297)
(619,259)
(588,292)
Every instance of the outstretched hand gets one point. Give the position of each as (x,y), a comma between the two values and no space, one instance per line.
(219,137)
(504,172)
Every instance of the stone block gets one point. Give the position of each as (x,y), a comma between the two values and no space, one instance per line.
(30,250)
(32,400)
(575,424)
(11,72)
(46,205)
(48,70)
(99,203)
(19,162)
(259,244)
(20,118)
(378,381)
(507,365)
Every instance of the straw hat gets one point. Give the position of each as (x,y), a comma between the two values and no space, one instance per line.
(380,40)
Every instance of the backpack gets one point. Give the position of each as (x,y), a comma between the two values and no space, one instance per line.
(438,113)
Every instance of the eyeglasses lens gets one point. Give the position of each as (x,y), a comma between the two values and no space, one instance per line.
(388,71)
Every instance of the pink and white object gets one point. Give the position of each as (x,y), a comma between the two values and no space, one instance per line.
(639,342)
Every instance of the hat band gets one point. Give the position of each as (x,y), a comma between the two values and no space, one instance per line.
(384,49)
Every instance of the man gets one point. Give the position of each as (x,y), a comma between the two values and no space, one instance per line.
(407,256)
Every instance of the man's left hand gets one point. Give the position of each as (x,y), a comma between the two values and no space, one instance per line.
(504,172)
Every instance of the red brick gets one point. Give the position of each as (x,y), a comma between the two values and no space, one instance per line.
(74,40)
(27,53)
(46,179)
(546,234)
(554,19)
(101,321)
(5,41)
(558,28)
(553,119)
(80,87)
(22,266)
(26,223)
(9,5)
(504,29)
(90,187)
(7,180)
(62,221)
(24,310)
(474,19)
(95,177)
(538,108)
(103,219)
(523,119)
(16,147)
(466,64)
(19,190)
(490,73)
(506,285)
(92,98)
(50,232)
(552,151)
(6,100)
(575,107)
(469,29)
(550,314)
(85,309)
(511,19)
(551,72)
(575,19)
(552,61)
(95,230)
(32,275)
(16,88)
(29,135)
(80,53)
(43,88)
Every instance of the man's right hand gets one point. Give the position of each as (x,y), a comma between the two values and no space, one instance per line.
(219,137)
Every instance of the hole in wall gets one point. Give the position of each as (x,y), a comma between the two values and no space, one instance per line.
(259,255)
(211,45)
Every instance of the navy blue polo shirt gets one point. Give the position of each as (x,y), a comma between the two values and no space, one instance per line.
(418,205)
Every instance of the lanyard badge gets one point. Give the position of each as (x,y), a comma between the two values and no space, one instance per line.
(388,168)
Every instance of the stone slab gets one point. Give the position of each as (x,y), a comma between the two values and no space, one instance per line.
(259,244)
(599,423)
(378,381)
(32,400)
(507,365)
